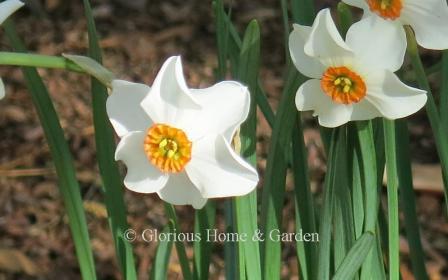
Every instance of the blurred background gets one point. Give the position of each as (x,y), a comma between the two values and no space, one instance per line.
(137,36)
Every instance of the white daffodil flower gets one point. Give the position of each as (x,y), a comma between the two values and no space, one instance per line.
(176,141)
(6,9)
(428,19)
(351,80)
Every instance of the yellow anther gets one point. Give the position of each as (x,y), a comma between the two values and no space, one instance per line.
(347,81)
(163,143)
(170,153)
(347,89)
(337,81)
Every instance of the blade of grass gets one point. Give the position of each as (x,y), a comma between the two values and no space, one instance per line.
(392,198)
(355,257)
(408,201)
(159,270)
(60,152)
(438,128)
(246,206)
(180,247)
(105,147)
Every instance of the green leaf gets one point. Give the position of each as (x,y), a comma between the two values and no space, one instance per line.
(303,11)
(159,269)
(204,219)
(344,231)
(304,205)
(345,18)
(437,125)
(234,48)
(355,257)
(408,201)
(246,207)
(68,185)
(105,147)
(444,91)
(92,67)
(180,247)
(392,198)
(275,176)
(334,177)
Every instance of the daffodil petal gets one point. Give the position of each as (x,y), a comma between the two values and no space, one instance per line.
(393,98)
(217,171)
(364,110)
(8,7)
(356,3)
(224,107)
(325,42)
(429,19)
(179,190)
(123,107)
(2,89)
(311,97)
(308,66)
(378,43)
(141,176)
(169,99)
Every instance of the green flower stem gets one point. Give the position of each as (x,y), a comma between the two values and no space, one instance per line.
(37,60)
(440,133)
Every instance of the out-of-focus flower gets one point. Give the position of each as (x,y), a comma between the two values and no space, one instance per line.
(428,19)
(351,80)
(6,9)
(176,141)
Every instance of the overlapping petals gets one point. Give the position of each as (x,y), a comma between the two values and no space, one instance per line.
(209,117)
(385,96)
(428,19)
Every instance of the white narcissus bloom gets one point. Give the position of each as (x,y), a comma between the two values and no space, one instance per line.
(176,141)
(6,9)
(351,80)
(428,19)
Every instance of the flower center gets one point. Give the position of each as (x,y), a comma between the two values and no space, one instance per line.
(167,148)
(388,9)
(343,85)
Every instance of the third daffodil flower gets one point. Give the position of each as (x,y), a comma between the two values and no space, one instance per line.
(428,19)
(352,79)
(6,9)
(176,141)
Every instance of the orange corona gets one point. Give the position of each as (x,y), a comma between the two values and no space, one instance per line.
(343,85)
(388,9)
(167,148)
